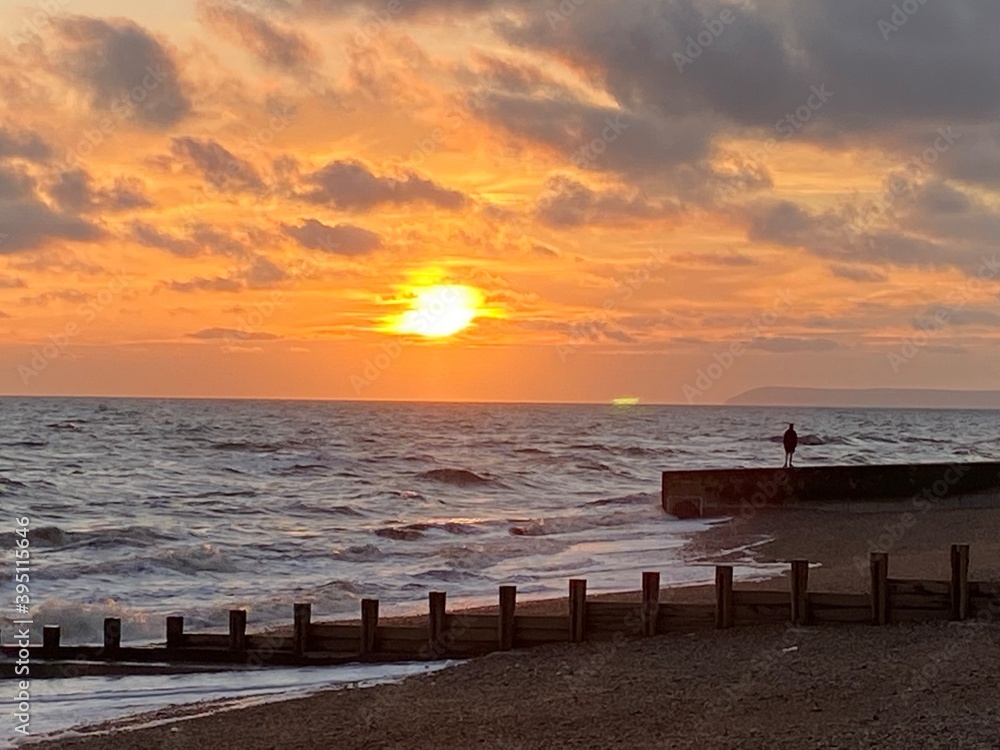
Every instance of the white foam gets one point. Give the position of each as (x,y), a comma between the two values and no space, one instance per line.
(64,708)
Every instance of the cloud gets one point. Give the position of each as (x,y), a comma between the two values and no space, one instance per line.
(150,236)
(568,203)
(24,145)
(270,43)
(350,185)
(857,273)
(217,284)
(123,68)
(214,334)
(782,345)
(219,166)
(74,191)
(27,223)
(6,282)
(731,259)
(342,239)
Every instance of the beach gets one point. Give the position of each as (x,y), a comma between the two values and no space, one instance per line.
(920,685)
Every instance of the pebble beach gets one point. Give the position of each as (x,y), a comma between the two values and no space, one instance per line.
(905,686)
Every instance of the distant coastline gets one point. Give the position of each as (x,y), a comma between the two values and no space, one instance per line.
(889,398)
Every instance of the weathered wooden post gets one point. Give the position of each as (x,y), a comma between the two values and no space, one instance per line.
(302,619)
(505,620)
(724,608)
(650,602)
(112,635)
(800,592)
(175,632)
(50,639)
(369,626)
(238,630)
(880,588)
(577,610)
(959,581)
(438,604)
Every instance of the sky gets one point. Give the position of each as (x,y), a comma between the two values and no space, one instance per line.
(498,200)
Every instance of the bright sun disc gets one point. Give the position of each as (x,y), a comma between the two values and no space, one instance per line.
(440,310)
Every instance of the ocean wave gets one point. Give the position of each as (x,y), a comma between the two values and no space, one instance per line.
(301,469)
(25,444)
(568,524)
(638,498)
(127,536)
(413,531)
(458,477)
(360,553)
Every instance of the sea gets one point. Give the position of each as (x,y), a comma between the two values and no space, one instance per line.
(143,508)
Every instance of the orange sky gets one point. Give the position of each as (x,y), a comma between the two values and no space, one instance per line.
(238,198)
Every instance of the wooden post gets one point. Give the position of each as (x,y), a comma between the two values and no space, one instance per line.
(508,605)
(300,628)
(650,602)
(50,639)
(800,592)
(369,626)
(880,588)
(238,630)
(960,581)
(577,610)
(438,603)
(112,634)
(175,632)
(724,609)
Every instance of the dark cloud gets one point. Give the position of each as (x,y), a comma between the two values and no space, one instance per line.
(74,191)
(150,236)
(351,185)
(568,203)
(24,145)
(27,223)
(217,284)
(342,239)
(124,69)
(730,259)
(858,273)
(272,44)
(214,334)
(219,166)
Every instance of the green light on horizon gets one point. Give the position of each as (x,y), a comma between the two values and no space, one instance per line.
(625,401)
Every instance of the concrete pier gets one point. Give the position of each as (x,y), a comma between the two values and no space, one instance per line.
(704,492)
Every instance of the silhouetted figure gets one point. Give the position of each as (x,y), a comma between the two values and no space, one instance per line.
(791,440)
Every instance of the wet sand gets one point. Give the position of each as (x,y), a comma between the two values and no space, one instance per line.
(926,685)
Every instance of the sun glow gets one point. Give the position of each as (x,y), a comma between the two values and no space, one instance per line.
(439,310)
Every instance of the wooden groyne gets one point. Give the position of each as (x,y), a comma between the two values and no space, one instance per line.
(695,493)
(459,635)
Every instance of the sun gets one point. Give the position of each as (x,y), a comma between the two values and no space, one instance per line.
(440,310)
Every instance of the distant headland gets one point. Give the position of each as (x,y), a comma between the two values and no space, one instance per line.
(898,398)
